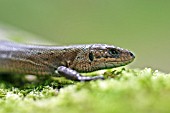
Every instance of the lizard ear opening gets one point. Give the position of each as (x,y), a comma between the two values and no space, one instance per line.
(91,57)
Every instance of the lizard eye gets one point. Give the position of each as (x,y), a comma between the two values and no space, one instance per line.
(114,52)
(91,57)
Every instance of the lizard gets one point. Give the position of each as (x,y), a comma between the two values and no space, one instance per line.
(67,61)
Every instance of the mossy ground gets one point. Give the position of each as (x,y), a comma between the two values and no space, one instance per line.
(124,90)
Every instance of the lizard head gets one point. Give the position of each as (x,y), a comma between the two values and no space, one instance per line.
(102,56)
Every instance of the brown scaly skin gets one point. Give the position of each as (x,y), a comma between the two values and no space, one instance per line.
(67,60)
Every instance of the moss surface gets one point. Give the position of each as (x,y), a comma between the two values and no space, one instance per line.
(124,90)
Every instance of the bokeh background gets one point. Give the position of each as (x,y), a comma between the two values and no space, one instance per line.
(142,26)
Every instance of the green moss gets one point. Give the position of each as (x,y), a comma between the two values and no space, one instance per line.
(124,90)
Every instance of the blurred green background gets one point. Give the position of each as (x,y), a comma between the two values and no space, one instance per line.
(142,26)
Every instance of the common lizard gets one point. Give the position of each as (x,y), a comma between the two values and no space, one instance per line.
(65,61)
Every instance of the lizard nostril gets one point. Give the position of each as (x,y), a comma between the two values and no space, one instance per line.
(132,55)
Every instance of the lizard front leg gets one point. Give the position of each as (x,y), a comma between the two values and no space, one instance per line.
(74,75)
